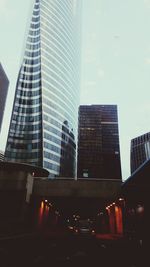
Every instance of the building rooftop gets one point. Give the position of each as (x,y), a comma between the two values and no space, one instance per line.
(13,166)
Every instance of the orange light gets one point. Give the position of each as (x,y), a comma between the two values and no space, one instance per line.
(118,216)
(42,205)
(41,213)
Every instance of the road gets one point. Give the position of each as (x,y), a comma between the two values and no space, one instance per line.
(62,249)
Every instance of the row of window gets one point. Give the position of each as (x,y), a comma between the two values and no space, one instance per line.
(60,7)
(36,6)
(27,118)
(33,54)
(33,61)
(51,28)
(57,14)
(56,40)
(21,155)
(56,114)
(52,121)
(47,57)
(51,156)
(57,22)
(89,123)
(52,147)
(65,136)
(52,139)
(63,73)
(24,146)
(52,130)
(33,39)
(58,141)
(52,84)
(141,139)
(30,69)
(36,12)
(30,77)
(26,136)
(55,60)
(35,19)
(24,84)
(57,107)
(53,63)
(30,93)
(24,110)
(58,125)
(25,128)
(34,32)
(35,26)
(51,166)
(27,102)
(47,88)
(59,85)
(61,151)
(30,46)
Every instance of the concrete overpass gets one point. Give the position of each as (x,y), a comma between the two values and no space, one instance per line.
(23,185)
(85,197)
(91,188)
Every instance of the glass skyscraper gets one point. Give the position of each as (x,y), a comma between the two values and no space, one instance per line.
(4,83)
(140,151)
(43,127)
(98,146)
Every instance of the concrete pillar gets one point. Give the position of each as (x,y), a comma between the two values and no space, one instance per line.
(119,222)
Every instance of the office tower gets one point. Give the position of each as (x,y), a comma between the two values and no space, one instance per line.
(1,155)
(140,151)
(98,145)
(43,128)
(4,83)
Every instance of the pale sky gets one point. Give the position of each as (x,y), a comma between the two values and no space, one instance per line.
(115,61)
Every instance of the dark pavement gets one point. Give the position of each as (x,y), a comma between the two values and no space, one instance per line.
(59,248)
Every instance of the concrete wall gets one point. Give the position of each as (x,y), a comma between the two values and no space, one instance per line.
(16,186)
(77,188)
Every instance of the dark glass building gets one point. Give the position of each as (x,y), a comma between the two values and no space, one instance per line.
(4,83)
(43,128)
(1,155)
(98,145)
(140,151)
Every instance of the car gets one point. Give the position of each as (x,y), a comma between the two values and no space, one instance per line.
(84,228)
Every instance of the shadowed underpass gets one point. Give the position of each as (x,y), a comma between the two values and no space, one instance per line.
(59,248)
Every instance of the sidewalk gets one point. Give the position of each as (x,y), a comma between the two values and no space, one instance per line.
(12,230)
(109,236)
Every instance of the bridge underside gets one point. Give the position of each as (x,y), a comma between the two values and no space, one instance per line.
(85,198)
(85,188)
(23,186)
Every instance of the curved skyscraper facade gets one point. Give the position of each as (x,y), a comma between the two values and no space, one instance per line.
(43,127)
